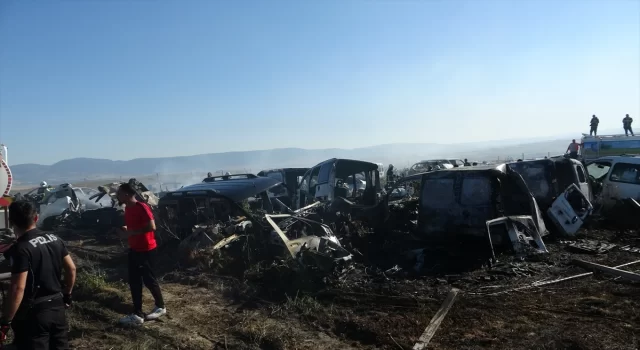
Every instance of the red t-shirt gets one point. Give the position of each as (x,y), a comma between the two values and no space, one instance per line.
(136,217)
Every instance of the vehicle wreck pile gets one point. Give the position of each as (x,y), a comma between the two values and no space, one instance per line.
(336,218)
(74,207)
(340,220)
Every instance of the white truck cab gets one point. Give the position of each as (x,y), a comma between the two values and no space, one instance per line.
(615,178)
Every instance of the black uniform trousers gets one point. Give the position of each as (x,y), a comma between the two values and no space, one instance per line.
(44,327)
(141,266)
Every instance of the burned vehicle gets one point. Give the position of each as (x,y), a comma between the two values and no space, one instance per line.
(218,199)
(307,241)
(429,165)
(81,207)
(214,213)
(65,204)
(290,179)
(561,187)
(356,181)
(548,178)
(143,194)
(484,206)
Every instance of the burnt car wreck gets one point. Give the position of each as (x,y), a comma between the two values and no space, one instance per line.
(218,213)
(465,205)
(81,207)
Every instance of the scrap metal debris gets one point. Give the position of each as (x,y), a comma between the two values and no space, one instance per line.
(589,246)
(608,270)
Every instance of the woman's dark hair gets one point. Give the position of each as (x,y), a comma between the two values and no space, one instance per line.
(126,188)
(22,214)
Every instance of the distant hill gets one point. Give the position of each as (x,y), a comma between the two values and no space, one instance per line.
(401,155)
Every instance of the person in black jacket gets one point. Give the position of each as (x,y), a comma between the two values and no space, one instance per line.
(37,300)
(626,124)
(594,126)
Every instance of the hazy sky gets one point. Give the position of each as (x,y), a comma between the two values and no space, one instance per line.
(122,79)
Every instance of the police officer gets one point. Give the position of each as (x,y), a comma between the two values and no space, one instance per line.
(37,300)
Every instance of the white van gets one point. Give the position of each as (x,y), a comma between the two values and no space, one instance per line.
(615,178)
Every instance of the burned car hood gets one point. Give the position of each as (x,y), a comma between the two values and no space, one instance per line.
(235,189)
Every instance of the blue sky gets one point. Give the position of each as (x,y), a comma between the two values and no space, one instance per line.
(142,78)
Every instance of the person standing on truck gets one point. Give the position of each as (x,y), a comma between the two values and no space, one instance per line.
(139,231)
(626,124)
(594,126)
(573,149)
(37,300)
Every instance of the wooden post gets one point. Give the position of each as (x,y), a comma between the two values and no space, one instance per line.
(436,320)
(608,270)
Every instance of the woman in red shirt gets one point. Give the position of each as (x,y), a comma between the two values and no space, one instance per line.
(139,231)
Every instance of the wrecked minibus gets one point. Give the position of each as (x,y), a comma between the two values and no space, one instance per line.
(354,180)
(464,205)
(217,200)
(289,178)
(548,178)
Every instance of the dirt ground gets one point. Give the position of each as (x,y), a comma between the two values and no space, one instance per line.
(364,310)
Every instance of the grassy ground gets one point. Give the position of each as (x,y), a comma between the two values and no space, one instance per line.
(207,311)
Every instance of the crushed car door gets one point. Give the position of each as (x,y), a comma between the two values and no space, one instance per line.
(569,211)
(583,181)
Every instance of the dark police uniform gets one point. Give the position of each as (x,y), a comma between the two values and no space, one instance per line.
(41,321)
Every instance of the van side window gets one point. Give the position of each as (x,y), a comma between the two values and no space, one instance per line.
(325,170)
(625,173)
(581,176)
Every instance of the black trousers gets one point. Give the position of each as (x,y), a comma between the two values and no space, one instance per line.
(141,271)
(45,328)
(593,131)
(627,130)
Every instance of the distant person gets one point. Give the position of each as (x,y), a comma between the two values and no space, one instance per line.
(626,124)
(573,149)
(43,188)
(209,174)
(466,162)
(594,126)
(390,173)
(139,231)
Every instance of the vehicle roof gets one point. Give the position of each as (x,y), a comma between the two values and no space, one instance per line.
(479,167)
(547,160)
(235,189)
(371,165)
(476,168)
(628,158)
(430,160)
(283,169)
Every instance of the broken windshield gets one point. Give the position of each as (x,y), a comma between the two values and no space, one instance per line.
(599,169)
